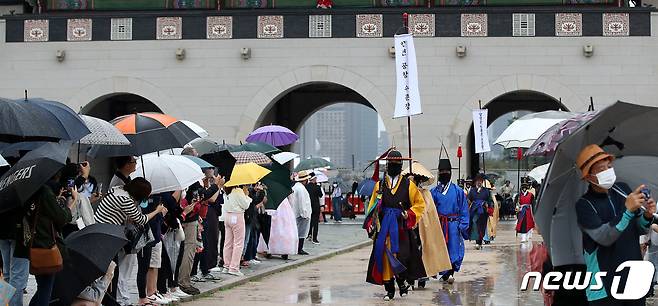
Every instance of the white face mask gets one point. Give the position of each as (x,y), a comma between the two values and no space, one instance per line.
(606,178)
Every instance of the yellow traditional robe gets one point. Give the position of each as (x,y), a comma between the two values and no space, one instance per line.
(417,206)
(435,252)
(492,222)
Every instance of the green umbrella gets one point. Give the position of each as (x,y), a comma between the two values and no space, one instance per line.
(256,147)
(278,183)
(313,163)
(200,162)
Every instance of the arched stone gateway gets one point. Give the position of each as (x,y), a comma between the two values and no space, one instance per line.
(277,100)
(93,93)
(505,95)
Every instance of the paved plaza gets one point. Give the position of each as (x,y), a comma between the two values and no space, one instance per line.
(488,277)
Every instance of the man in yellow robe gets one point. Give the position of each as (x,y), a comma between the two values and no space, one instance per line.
(492,223)
(433,244)
(395,208)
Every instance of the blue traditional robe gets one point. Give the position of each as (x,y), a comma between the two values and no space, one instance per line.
(452,208)
(480,201)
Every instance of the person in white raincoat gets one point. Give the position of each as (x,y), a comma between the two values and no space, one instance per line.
(301,205)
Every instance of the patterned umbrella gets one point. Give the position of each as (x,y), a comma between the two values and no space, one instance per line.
(147,132)
(551,138)
(275,135)
(245,157)
(102,133)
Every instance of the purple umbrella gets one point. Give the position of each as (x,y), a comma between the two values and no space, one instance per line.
(549,140)
(275,135)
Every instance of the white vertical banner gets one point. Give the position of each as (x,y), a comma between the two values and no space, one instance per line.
(407,98)
(480,130)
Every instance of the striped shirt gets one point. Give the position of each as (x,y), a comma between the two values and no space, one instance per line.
(117,207)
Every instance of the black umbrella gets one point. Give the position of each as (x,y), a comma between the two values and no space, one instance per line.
(89,252)
(15,149)
(278,183)
(39,120)
(147,133)
(31,172)
(223,160)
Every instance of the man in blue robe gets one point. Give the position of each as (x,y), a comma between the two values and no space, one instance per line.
(481,204)
(452,206)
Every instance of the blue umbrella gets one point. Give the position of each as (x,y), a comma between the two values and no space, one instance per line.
(366,187)
(202,163)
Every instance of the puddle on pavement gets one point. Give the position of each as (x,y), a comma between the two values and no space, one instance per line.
(499,290)
(325,295)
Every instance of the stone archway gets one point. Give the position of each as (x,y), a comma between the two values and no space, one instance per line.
(271,93)
(103,88)
(550,88)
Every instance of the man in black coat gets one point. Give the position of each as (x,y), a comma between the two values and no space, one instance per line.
(315,193)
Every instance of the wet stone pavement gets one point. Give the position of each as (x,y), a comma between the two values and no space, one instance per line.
(491,276)
(332,237)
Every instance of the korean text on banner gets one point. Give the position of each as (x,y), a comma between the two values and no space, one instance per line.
(480,131)
(407,98)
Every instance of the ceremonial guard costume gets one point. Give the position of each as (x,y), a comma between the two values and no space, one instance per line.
(452,207)
(394,210)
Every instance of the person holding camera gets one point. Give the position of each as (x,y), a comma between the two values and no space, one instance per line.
(612,218)
(47,213)
(78,179)
(194,204)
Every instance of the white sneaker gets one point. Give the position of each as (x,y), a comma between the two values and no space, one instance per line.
(171,297)
(236,273)
(179,293)
(254,262)
(155,299)
(225,270)
(216,269)
(164,298)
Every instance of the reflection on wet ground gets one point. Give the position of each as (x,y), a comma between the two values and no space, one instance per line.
(488,277)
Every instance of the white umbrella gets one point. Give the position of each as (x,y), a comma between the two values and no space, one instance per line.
(284,157)
(523,132)
(539,173)
(196,128)
(168,172)
(321,176)
(3,162)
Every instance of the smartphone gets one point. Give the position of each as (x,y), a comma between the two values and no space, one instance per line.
(99,188)
(646,192)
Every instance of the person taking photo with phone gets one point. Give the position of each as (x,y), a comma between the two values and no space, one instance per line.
(612,217)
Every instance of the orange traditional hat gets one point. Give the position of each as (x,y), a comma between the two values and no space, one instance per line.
(589,156)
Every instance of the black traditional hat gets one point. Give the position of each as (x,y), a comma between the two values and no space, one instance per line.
(395,156)
(444,164)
